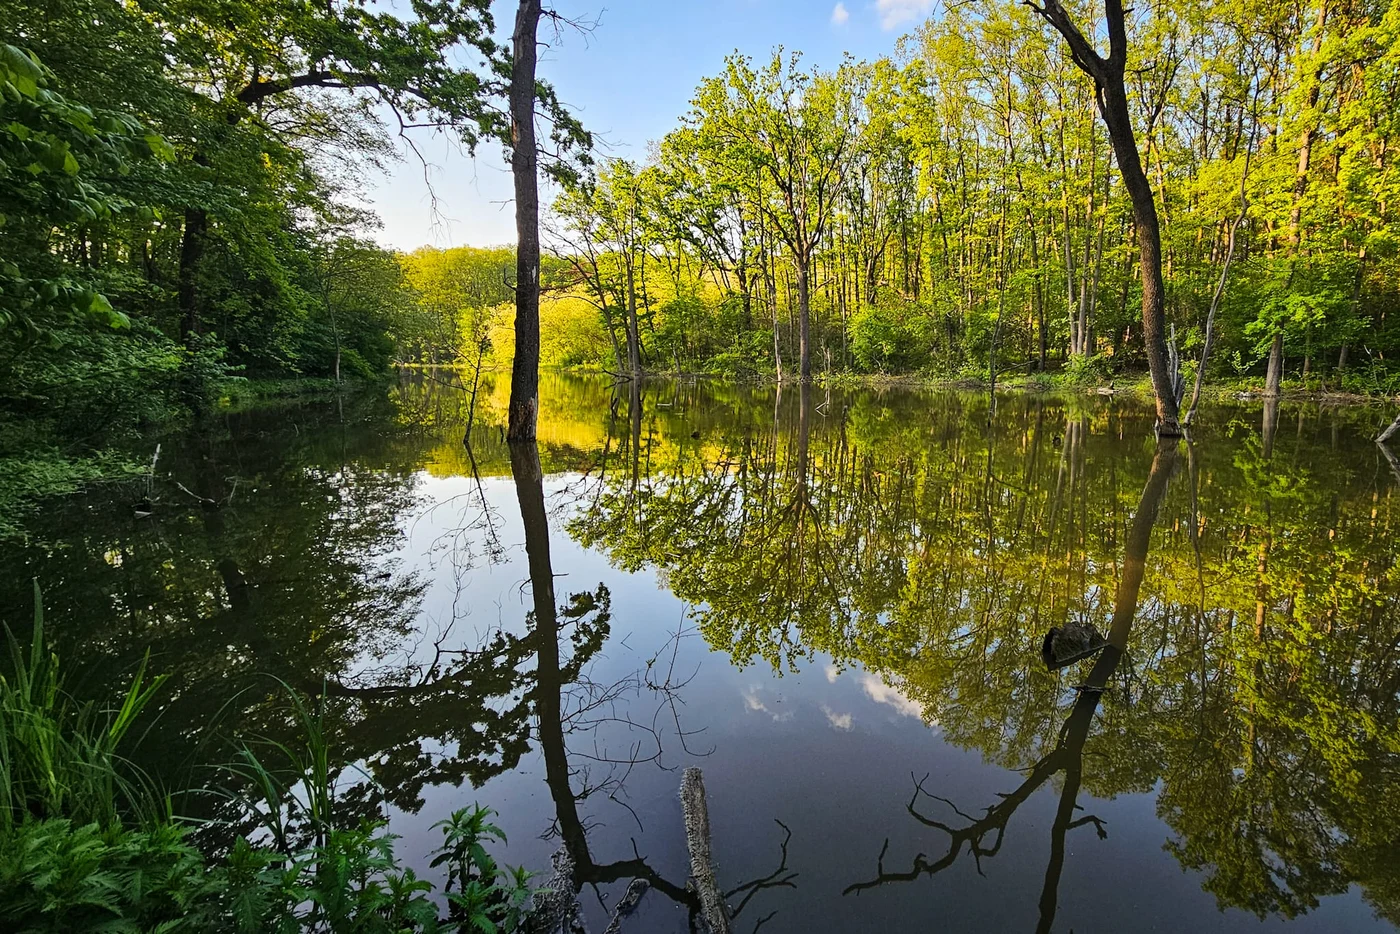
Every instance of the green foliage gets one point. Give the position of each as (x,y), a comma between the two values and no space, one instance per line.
(55,158)
(963,189)
(1085,370)
(57,876)
(177,188)
(68,863)
(58,758)
(887,339)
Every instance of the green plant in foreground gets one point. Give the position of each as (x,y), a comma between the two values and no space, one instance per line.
(483,895)
(58,758)
(67,863)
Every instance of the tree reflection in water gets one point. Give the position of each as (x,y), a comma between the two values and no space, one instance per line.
(564,702)
(1068,754)
(921,538)
(934,545)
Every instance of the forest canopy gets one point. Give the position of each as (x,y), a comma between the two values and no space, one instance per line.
(962,193)
(180,203)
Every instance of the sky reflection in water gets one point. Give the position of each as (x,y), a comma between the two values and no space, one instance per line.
(833,603)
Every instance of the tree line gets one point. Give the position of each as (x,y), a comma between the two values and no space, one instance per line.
(179,187)
(179,182)
(960,206)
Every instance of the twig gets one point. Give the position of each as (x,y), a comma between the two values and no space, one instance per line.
(186,490)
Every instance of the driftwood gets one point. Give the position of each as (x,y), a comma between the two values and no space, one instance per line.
(1068,644)
(627,904)
(557,910)
(697,838)
(1389,432)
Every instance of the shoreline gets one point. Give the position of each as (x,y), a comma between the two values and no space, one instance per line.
(1135,385)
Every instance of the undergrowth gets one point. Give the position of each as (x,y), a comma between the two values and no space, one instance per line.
(87,843)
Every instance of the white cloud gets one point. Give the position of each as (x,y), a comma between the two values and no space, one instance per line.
(838,721)
(756,704)
(832,673)
(839,15)
(895,13)
(882,693)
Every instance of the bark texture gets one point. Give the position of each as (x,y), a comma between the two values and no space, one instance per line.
(524,166)
(1113,107)
(697,837)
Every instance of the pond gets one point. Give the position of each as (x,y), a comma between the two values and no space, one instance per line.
(834,603)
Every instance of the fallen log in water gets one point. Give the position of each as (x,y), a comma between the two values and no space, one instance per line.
(1389,432)
(697,838)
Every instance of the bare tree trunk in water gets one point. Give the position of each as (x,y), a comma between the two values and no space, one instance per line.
(525,370)
(634,331)
(1113,106)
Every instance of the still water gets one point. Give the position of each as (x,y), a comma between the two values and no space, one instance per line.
(833,603)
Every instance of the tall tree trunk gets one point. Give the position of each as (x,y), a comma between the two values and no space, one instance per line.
(1220,285)
(525,370)
(1087,309)
(1038,297)
(804,325)
(1113,106)
(1356,288)
(1070,303)
(191,252)
(1274,381)
(634,335)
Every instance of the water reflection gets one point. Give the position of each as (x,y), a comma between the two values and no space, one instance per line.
(1068,754)
(936,550)
(926,543)
(564,703)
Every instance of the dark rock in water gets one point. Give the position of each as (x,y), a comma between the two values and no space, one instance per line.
(1070,643)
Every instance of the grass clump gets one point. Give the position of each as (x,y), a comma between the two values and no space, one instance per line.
(86,843)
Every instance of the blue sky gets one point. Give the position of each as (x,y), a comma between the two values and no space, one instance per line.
(629,81)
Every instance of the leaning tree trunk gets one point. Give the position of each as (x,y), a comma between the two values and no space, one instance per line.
(525,371)
(1113,106)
